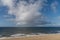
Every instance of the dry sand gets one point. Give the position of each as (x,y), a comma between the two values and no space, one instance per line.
(37,37)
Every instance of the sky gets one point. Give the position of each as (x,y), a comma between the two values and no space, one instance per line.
(25,13)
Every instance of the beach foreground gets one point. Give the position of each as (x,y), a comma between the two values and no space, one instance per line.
(37,37)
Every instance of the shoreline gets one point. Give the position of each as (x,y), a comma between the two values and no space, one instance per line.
(35,37)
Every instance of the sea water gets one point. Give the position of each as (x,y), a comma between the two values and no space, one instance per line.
(23,31)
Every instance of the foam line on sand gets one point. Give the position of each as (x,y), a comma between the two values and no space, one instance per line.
(35,37)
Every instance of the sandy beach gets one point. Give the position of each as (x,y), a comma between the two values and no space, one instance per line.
(37,37)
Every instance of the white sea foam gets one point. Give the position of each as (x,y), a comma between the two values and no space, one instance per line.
(24,35)
(27,35)
(17,35)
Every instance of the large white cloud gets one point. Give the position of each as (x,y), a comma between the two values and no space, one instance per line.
(26,13)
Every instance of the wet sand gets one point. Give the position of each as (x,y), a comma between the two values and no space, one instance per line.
(37,37)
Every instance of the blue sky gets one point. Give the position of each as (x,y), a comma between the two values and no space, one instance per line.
(29,13)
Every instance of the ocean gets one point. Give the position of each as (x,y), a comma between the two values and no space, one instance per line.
(8,31)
